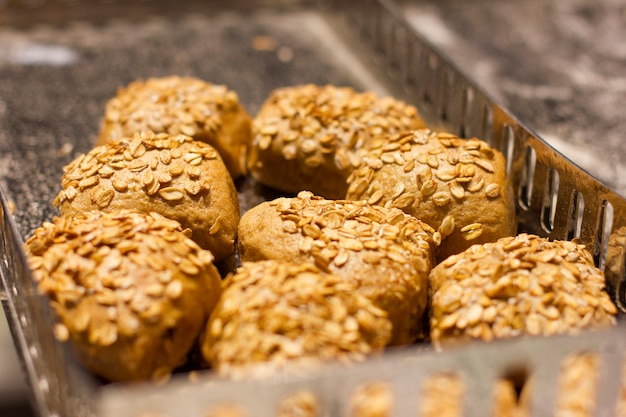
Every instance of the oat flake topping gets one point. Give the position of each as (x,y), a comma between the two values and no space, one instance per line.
(95,256)
(333,230)
(515,286)
(458,186)
(277,312)
(159,164)
(322,127)
(174,105)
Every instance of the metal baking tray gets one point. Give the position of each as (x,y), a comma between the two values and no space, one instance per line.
(61,60)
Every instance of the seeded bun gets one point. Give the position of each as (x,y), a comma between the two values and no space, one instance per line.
(310,137)
(181,105)
(459,187)
(384,251)
(175,176)
(517,286)
(131,291)
(290,315)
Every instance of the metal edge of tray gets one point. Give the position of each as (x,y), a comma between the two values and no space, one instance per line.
(57,382)
(549,190)
(17,294)
(405,371)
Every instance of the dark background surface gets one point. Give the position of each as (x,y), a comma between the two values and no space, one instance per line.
(559,66)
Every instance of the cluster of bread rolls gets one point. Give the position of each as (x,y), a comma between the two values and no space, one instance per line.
(388,233)
(145,215)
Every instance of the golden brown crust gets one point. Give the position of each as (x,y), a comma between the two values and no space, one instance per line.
(516,286)
(310,137)
(457,186)
(387,252)
(182,105)
(285,314)
(175,176)
(132,292)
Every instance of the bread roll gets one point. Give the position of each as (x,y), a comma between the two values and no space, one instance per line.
(387,253)
(310,137)
(175,176)
(459,187)
(131,291)
(523,285)
(182,105)
(289,315)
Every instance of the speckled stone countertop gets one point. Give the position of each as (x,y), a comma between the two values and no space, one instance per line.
(559,66)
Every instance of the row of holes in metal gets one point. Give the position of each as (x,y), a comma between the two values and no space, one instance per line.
(424,75)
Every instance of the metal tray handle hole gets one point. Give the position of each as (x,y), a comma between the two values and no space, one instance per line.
(507,146)
(548,210)
(487,125)
(412,56)
(465,127)
(388,38)
(397,38)
(378,37)
(525,190)
(588,375)
(4,267)
(300,403)
(443,101)
(570,388)
(575,221)
(372,399)
(430,65)
(442,394)
(517,377)
(451,394)
(605,225)
(611,371)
